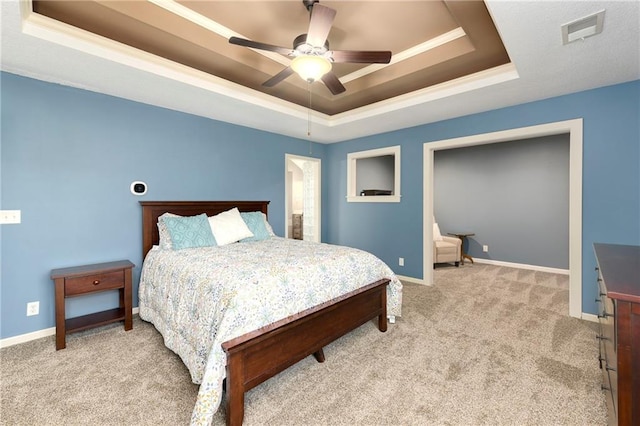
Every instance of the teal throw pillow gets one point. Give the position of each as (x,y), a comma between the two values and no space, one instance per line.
(189,231)
(256,223)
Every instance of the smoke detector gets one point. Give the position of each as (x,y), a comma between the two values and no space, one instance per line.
(582,28)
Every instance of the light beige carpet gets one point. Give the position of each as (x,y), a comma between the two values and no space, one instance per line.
(486,345)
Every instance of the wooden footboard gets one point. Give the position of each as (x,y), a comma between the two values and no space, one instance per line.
(256,356)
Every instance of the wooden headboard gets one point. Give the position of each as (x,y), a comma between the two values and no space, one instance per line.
(151,210)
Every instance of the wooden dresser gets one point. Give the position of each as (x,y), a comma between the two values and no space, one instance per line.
(297,224)
(619,313)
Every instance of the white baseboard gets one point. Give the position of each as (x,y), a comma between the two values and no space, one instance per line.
(411,280)
(497,263)
(23,338)
(27,337)
(522,266)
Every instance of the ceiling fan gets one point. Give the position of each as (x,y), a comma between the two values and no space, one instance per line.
(312,58)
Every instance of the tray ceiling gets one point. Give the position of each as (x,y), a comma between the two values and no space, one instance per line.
(539,65)
(431,41)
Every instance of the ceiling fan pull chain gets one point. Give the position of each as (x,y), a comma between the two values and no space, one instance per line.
(309,113)
(309,119)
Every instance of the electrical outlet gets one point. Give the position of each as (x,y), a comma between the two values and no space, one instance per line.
(485,249)
(33,308)
(9,216)
(401,261)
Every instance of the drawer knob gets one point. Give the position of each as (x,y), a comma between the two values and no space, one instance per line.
(610,368)
(601,337)
(96,282)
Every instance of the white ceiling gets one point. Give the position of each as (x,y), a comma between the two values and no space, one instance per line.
(542,67)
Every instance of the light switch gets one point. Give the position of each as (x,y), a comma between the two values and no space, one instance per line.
(9,216)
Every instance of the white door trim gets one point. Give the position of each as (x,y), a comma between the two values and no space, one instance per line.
(318,194)
(574,128)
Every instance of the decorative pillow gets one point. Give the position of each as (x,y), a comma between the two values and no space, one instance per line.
(228,227)
(257,225)
(165,237)
(437,236)
(189,231)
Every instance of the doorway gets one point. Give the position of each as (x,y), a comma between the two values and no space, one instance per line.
(302,198)
(574,129)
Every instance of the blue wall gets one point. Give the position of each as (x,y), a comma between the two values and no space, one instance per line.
(611,177)
(68,158)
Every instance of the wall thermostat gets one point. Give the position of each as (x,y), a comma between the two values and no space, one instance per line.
(138,188)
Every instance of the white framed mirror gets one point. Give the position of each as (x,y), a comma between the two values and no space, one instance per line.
(374,175)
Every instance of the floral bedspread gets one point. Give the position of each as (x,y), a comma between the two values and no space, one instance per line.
(199,298)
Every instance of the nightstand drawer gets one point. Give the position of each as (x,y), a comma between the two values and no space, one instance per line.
(93,283)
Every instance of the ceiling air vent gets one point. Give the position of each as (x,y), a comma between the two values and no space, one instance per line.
(582,28)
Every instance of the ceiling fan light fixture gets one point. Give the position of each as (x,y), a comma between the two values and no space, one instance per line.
(311,67)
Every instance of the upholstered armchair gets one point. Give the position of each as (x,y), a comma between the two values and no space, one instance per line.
(446,249)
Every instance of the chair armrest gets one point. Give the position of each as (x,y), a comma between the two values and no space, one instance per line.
(452,240)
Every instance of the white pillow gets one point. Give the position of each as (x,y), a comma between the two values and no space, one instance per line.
(437,236)
(229,227)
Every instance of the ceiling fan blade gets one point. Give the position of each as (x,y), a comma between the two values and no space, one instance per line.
(261,46)
(361,56)
(333,84)
(278,77)
(321,20)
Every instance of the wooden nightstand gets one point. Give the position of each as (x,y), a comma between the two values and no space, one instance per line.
(82,280)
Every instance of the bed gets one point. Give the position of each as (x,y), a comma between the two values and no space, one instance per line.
(252,355)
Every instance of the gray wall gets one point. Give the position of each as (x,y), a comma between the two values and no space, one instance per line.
(513,195)
(375,173)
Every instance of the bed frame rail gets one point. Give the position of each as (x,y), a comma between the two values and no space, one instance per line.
(259,355)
